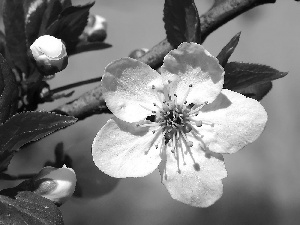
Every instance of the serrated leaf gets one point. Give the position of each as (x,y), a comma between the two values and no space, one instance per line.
(29,208)
(182,22)
(70,24)
(13,19)
(257,91)
(228,50)
(8,91)
(242,75)
(84,46)
(26,127)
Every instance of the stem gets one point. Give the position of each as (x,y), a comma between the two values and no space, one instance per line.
(69,86)
(222,11)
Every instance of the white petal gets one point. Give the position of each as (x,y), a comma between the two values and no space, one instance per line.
(238,121)
(190,64)
(119,150)
(127,89)
(199,182)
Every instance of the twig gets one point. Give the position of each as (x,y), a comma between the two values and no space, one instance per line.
(221,12)
(69,86)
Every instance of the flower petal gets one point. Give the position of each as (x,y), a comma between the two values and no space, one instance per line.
(119,150)
(127,89)
(238,121)
(199,182)
(190,64)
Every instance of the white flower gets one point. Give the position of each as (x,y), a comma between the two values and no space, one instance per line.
(180,119)
(50,54)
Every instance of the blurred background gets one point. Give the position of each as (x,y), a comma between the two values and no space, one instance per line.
(263,183)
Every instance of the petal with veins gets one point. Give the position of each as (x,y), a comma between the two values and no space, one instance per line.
(119,150)
(127,89)
(199,182)
(238,121)
(189,64)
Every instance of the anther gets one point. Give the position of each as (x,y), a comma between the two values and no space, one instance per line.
(190,144)
(186,94)
(187,128)
(199,123)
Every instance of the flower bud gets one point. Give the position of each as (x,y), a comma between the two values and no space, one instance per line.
(95,30)
(137,53)
(55,184)
(50,54)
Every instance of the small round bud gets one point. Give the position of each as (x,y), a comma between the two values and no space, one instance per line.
(95,30)
(55,184)
(50,54)
(137,53)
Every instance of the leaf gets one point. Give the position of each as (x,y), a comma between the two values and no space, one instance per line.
(257,91)
(13,18)
(182,22)
(8,91)
(84,46)
(242,75)
(54,8)
(26,127)
(70,24)
(2,43)
(29,208)
(228,50)
(66,3)
(34,11)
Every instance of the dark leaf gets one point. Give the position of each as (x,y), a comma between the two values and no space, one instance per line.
(14,22)
(88,46)
(182,22)
(54,8)
(257,91)
(34,12)
(66,3)
(228,50)
(26,127)
(8,91)
(70,24)
(2,43)
(29,208)
(242,75)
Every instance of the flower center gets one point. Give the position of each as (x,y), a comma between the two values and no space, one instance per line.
(174,121)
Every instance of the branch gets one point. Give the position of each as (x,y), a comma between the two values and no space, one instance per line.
(222,11)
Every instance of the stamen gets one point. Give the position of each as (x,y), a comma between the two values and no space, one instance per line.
(187,128)
(189,143)
(148,108)
(177,153)
(144,124)
(187,93)
(195,111)
(175,99)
